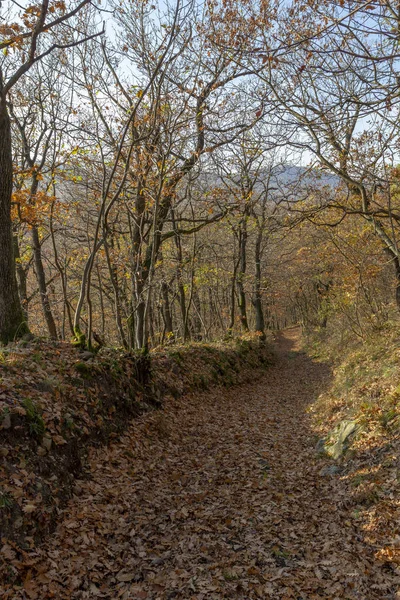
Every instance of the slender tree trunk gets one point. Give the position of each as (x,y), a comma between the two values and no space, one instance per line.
(139,276)
(112,269)
(242,273)
(12,320)
(63,275)
(257,301)
(21,277)
(197,320)
(41,279)
(101,299)
(181,287)
(131,326)
(151,322)
(233,296)
(396,262)
(166,312)
(139,322)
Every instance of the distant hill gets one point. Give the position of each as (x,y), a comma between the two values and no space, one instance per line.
(282,180)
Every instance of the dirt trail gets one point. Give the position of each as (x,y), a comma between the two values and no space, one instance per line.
(218,496)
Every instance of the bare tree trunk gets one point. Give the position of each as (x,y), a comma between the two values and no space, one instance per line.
(396,262)
(151,322)
(12,320)
(41,279)
(257,300)
(181,287)
(139,322)
(21,277)
(233,296)
(197,321)
(114,281)
(166,312)
(242,273)
(63,276)
(397,266)
(101,299)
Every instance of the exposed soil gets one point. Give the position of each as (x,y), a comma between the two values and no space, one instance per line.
(219,495)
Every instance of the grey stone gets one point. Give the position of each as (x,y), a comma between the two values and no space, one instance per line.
(86,355)
(320,446)
(6,422)
(46,443)
(342,433)
(330,470)
(28,337)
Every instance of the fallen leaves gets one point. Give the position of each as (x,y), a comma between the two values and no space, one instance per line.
(230,504)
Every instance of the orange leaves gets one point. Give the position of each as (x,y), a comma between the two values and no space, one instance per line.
(9,29)
(58,5)
(31,209)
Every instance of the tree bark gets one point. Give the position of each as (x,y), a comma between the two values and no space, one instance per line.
(12,321)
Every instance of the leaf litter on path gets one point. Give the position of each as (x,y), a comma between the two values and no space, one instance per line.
(217,496)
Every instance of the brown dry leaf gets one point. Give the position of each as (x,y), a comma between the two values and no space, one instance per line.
(121,576)
(8,552)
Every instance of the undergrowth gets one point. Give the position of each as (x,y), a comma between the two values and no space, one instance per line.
(365,389)
(366,383)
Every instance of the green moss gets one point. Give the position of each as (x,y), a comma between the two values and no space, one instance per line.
(69,423)
(4,413)
(37,357)
(176,356)
(199,382)
(16,329)
(79,339)
(35,419)
(228,380)
(6,501)
(387,417)
(84,369)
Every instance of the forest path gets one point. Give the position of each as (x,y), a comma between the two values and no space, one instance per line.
(218,496)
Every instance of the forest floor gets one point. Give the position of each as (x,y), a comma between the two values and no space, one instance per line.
(219,495)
